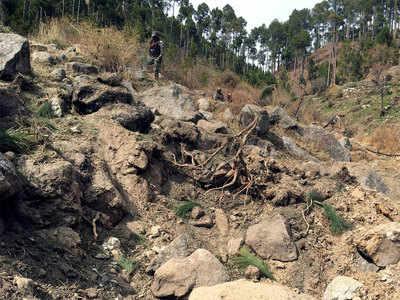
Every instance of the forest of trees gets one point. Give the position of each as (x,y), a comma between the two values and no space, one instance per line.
(220,35)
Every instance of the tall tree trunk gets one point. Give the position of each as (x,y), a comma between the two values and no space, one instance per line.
(77,14)
(396,24)
(73,8)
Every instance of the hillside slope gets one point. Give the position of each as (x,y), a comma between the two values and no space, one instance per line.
(150,193)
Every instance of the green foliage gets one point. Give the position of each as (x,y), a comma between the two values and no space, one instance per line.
(16,140)
(129,265)
(337,224)
(267,92)
(45,111)
(183,210)
(246,259)
(385,37)
(256,77)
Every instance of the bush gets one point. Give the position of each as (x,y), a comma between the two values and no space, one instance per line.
(183,210)
(246,259)
(318,85)
(15,140)
(129,265)
(45,111)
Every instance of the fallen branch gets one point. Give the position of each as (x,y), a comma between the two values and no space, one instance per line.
(95,219)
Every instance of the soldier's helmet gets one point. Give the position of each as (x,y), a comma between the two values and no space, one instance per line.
(155,33)
(219,90)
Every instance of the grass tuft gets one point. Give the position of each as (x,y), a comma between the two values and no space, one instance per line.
(246,259)
(183,210)
(129,265)
(337,224)
(16,140)
(45,111)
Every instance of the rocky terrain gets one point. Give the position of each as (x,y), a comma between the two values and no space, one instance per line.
(144,190)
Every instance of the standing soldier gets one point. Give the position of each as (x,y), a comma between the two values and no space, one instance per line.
(156,53)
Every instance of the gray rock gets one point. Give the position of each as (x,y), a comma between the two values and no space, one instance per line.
(173,101)
(365,266)
(82,68)
(11,183)
(271,239)
(133,118)
(380,243)
(177,249)
(44,58)
(296,151)
(215,126)
(58,74)
(280,116)
(326,142)
(342,288)
(368,178)
(247,115)
(14,56)
(89,95)
(178,277)
(60,183)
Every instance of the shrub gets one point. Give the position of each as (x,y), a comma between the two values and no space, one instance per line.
(337,224)
(45,111)
(129,265)
(246,259)
(15,140)
(184,209)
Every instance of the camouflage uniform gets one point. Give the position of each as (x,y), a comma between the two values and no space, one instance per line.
(218,95)
(156,54)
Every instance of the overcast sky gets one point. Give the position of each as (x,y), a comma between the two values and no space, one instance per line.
(257,12)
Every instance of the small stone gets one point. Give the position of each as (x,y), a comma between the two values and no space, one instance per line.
(205,221)
(197,213)
(76,129)
(26,285)
(222,222)
(111,244)
(234,245)
(155,231)
(252,273)
(10,155)
(91,292)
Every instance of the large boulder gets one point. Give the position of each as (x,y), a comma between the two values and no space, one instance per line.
(134,118)
(280,116)
(177,277)
(177,249)
(173,101)
(381,244)
(89,95)
(59,187)
(325,142)
(214,126)
(368,178)
(342,288)
(243,289)
(14,56)
(271,239)
(247,115)
(292,148)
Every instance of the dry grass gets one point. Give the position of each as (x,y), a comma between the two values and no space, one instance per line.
(109,48)
(386,139)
